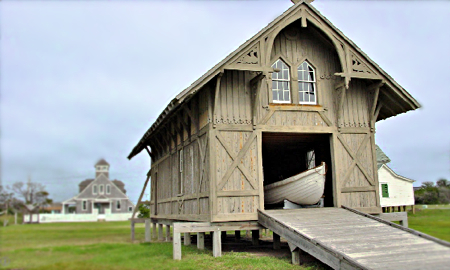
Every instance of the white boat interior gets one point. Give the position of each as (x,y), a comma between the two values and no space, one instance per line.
(300,152)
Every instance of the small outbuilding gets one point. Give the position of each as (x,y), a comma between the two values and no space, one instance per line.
(396,191)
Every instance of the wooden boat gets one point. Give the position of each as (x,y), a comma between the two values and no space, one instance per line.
(305,188)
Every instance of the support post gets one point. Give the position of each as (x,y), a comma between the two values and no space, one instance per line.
(154,230)
(167,233)
(217,244)
(187,239)
(414,209)
(148,237)
(255,237)
(132,230)
(296,256)
(201,240)
(276,241)
(176,245)
(237,236)
(160,232)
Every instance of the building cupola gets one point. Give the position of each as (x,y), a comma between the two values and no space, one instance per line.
(102,167)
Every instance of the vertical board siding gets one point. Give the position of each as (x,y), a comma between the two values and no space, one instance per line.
(295,45)
(203,107)
(355,111)
(234,104)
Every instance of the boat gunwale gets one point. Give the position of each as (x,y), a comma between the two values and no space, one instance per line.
(292,179)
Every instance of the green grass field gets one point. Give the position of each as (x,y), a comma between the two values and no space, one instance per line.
(435,222)
(106,245)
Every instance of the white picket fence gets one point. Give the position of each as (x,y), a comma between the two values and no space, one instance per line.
(95,216)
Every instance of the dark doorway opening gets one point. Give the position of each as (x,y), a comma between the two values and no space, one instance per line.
(287,154)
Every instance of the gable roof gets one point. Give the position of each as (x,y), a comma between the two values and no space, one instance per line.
(381,157)
(408,102)
(395,174)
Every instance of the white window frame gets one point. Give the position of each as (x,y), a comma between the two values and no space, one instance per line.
(118,205)
(130,208)
(276,80)
(101,189)
(94,189)
(308,82)
(108,189)
(84,205)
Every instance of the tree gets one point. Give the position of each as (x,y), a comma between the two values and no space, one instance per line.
(443,183)
(144,211)
(33,194)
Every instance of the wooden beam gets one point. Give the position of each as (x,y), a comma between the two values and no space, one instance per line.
(152,157)
(191,116)
(216,98)
(140,196)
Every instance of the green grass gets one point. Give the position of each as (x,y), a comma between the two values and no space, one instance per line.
(106,245)
(433,206)
(435,222)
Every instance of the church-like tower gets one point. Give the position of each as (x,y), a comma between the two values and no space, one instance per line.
(102,167)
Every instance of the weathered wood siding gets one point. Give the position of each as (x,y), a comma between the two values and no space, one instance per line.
(355,111)
(236,175)
(234,99)
(294,45)
(183,195)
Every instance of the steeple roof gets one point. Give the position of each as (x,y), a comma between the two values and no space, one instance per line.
(102,162)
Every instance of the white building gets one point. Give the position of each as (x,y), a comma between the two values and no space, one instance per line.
(395,190)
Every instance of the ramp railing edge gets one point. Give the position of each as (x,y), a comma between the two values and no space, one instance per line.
(417,233)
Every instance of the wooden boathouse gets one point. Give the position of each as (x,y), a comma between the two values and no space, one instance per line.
(299,91)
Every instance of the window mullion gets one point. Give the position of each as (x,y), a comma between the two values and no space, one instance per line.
(294,86)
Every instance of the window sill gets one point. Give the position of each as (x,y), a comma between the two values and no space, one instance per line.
(296,107)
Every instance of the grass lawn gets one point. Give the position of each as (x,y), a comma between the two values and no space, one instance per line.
(106,245)
(435,222)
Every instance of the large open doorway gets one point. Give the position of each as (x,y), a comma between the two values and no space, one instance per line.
(287,154)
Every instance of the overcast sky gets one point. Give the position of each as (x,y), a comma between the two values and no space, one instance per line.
(83,80)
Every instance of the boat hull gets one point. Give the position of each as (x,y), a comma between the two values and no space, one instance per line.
(305,188)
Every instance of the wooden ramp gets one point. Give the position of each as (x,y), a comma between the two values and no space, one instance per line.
(344,238)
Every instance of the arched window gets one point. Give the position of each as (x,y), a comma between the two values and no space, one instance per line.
(307,93)
(280,83)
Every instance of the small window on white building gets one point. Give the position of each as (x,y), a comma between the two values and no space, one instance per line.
(94,189)
(281,90)
(100,189)
(108,189)
(385,190)
(117,204)
(84,205)
(130,208)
